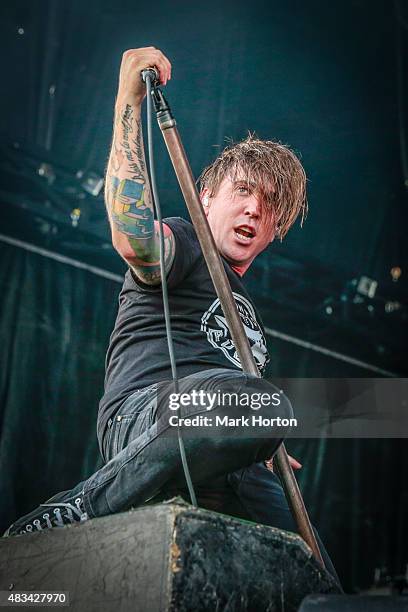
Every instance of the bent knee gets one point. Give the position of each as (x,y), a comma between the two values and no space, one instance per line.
(270,406)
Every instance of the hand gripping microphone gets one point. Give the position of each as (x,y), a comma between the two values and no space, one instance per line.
(152,73)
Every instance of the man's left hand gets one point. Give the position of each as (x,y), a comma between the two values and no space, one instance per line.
(295,465)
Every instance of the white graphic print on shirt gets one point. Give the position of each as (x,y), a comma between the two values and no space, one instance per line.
(214,324)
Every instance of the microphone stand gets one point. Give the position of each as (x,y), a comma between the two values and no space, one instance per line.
(218,275)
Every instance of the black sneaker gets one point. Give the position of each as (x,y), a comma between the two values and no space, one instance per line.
(62,509)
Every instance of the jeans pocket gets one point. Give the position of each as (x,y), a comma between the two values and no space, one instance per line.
(121,424)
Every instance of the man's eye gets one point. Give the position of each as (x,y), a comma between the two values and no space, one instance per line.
(243,189)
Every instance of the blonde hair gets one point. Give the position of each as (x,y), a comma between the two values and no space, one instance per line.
(271,169)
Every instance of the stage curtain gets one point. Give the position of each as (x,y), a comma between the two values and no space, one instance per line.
(55,324)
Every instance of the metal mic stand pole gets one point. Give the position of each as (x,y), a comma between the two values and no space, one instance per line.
(185,178)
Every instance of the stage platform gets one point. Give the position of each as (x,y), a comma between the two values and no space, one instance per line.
(165,557)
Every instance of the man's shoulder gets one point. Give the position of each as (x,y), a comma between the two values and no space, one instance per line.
(180,227)
(187,253)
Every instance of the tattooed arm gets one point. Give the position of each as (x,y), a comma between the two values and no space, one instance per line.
(127,190)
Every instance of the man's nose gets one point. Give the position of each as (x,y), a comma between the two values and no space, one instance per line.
(252,207)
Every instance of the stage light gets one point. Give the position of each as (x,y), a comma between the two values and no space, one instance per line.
(391,307)
(395,273)
(75,216)
(367,286)
(90,181)
(47,171)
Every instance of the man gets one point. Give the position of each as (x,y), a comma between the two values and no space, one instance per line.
(252,193)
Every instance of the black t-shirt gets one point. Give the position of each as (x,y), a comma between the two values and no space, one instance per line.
(138,353)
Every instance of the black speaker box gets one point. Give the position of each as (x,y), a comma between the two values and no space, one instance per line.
(167,557)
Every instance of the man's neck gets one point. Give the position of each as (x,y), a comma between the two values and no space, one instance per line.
(240,270)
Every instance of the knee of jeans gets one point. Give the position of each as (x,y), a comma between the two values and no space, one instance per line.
(279,407)
(266,397)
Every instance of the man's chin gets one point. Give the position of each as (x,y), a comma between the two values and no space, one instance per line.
(237,259)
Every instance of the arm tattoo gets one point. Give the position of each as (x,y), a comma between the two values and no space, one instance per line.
(129,202)
(129,212)
(132,145)
(127,190)
(147,270)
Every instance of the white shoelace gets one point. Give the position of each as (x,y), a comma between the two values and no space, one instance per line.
(59,520)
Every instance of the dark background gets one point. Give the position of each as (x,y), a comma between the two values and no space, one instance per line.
(326,77)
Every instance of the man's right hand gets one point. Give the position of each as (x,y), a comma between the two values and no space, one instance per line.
(131,88)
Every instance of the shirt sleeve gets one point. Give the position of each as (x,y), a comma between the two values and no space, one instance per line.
(187,254)
(187,250)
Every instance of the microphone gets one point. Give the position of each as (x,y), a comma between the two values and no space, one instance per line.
(152,73)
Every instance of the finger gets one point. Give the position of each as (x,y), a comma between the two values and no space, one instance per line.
(163,75)
(148,59)
(269,464)
(294,463)
(165,64)
(160,68)
(168,64)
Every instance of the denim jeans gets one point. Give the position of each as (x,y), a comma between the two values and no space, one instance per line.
(143,457)
(143,461)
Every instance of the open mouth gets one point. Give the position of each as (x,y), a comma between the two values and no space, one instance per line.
(244,233)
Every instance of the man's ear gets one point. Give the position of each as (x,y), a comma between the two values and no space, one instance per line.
(204,195)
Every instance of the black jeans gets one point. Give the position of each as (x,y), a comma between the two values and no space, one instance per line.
(143,459)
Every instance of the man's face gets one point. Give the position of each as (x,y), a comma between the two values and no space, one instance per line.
(241,226)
